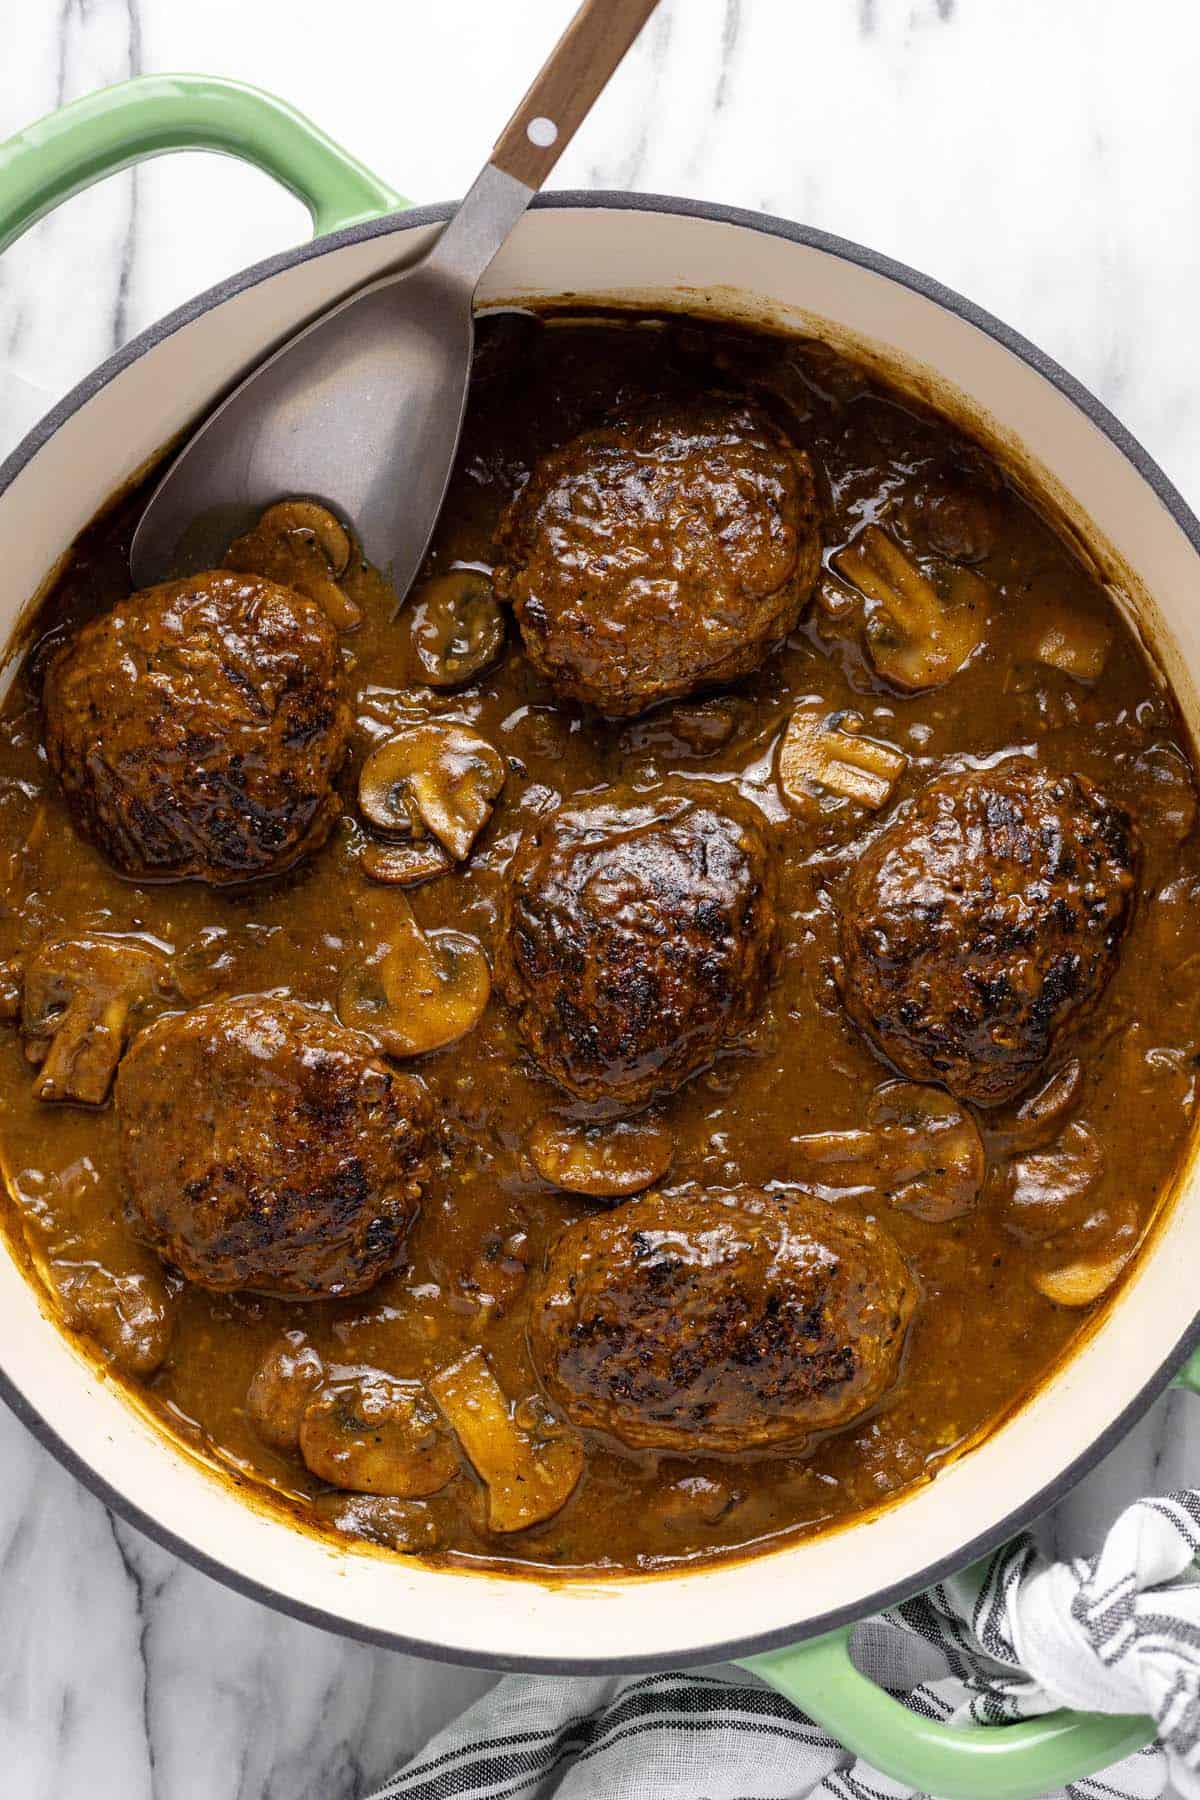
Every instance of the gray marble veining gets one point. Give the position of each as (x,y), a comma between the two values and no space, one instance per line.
(1044,160)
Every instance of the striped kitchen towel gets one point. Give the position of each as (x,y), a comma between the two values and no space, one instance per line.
(1117,1632)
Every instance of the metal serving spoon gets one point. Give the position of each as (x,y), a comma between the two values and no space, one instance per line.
(362,409)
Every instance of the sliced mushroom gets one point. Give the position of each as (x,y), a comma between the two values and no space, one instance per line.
(705,726)
(458,628)
(923,1152)
(81,999)
(1076,643)
(404,865)
(406,1525)
(606,1160)
(824,754)
(530,1469)
(1049,1190)
(131,1315)
(419,991)
(303,546)
(439,779)
(1079,1283)
(280,1390)
(1039,1118)
(372,1433)
(914,637)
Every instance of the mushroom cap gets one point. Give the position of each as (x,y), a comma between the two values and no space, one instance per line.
(198,727)
(264,1146)
(78,1003)
(440,778)
(922,1153)
(667,551)
(916,637)
(458,630)
(605,1159)
(280,1389)
(530,1465)
(417,991)
(826,761)
(404,865)
(301,545)
(373,1433)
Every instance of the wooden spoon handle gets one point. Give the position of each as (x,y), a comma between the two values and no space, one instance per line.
(572,79)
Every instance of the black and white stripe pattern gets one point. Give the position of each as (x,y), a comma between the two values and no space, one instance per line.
(1116,1632)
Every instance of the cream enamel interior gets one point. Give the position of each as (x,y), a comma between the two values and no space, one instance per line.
(614,254)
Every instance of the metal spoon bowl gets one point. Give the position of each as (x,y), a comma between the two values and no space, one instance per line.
(362,410)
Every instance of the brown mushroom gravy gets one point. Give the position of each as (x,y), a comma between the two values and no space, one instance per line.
(731,1040)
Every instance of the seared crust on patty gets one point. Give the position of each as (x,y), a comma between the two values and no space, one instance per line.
(669,550)
(982,920)
(264,1146)
(198,727)
(720,1322)
(637,937)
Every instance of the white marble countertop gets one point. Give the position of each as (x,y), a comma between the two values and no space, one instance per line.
(1045,160)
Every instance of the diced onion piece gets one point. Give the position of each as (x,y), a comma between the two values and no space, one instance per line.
(915,638)
(825,754)
(528,1479)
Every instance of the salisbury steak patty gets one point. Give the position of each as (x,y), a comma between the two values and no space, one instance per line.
(637,936)
(720,1322)
(264,1146)
(197,728)
(984,918)
(669,550)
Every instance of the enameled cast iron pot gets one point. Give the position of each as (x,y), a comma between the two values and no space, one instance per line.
(786,1614)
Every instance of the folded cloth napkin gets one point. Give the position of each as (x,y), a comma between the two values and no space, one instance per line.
(1117,1632)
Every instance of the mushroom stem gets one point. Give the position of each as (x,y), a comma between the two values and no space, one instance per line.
(826,754)
(78,999)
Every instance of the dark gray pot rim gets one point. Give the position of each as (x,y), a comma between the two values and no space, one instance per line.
(962,1554)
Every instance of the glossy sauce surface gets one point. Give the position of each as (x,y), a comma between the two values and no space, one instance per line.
(1083,1186)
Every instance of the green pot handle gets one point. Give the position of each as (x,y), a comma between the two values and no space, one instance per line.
(954,1762)
(118,126)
